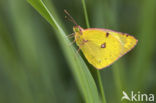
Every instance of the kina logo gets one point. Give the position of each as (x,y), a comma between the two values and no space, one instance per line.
(137,96)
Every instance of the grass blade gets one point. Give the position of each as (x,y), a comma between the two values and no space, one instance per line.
(85,13)
(79,68)
(97,71)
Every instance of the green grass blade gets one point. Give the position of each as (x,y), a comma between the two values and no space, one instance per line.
(35,64)
(111,15)
(85,13)
(97,71)
(79,68)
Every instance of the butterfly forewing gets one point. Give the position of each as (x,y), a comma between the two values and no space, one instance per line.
(101,49)
(127,40)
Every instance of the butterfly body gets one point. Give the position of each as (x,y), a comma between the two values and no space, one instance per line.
(102,47)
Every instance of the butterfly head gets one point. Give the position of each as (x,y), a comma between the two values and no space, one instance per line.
(77,29)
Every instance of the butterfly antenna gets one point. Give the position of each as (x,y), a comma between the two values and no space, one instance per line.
(70,18)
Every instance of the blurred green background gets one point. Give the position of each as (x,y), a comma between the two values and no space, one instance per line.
(33,68)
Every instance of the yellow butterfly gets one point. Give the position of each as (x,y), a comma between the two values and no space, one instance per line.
(102,47)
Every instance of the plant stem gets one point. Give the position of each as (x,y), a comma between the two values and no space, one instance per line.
(85,13)
(101,86)
(97,71)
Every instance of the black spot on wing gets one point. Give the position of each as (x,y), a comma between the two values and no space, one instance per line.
(107,34)
(125,34)
(103,45)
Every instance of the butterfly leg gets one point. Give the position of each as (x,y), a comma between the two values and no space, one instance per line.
(71,35)
(78,50)
(72,42)
(84,41)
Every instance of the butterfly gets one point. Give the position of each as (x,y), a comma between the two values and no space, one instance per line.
(102,47)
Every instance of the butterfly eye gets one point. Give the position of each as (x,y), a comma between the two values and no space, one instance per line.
(76,29)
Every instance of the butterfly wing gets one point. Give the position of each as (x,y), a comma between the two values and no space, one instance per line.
(101,50)
(126,40)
